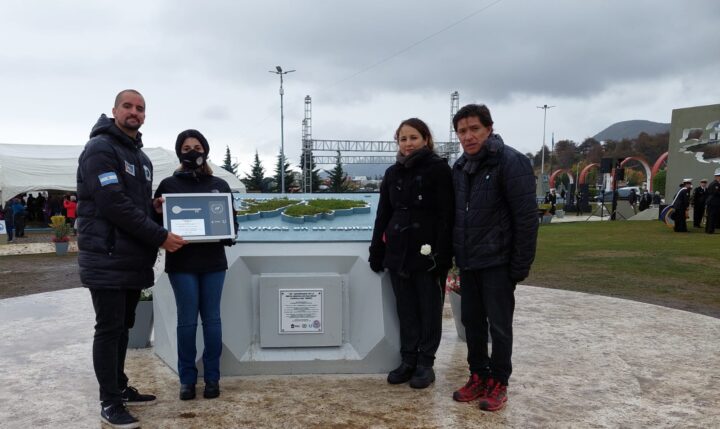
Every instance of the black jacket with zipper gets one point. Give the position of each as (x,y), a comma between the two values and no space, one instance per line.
(496,220)
(415,208)
(118,235)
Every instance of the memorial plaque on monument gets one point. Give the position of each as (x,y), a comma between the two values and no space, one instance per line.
(199,217)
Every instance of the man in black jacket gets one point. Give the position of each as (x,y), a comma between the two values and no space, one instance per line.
(680,205)
(494,239)
(118,243)
(713,204)
(698,201)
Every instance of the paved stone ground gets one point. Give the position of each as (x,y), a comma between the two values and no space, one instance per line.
(580,361)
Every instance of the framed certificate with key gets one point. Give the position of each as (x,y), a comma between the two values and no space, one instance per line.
(199,217)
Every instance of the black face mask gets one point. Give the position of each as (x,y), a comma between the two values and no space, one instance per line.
(192,159)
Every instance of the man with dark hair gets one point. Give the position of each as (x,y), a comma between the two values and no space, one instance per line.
(494,239)
(118,244)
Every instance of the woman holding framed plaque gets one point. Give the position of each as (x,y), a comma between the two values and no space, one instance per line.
(412,238)
(197,270)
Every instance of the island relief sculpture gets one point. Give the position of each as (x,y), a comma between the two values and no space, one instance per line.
(299,210)
(702,143)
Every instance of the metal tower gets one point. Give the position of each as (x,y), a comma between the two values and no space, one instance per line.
(449,150)
(369,151)
(307,146)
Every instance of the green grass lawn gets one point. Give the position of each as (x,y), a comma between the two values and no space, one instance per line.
(640,260)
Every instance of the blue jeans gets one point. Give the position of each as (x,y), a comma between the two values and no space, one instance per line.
(198,293)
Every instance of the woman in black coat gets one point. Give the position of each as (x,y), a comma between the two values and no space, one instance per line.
(412,238)
(196,271)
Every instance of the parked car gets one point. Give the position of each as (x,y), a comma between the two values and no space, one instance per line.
(623,193)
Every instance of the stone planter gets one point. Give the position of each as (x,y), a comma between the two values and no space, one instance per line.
(139,335)
(61,247)
(455,306)
(547,219)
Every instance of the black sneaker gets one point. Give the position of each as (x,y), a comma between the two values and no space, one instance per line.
(131,396)
(117,416)
(423,377)
(401,374)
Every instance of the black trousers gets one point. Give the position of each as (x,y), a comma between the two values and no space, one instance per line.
(20,226)
(680,221)
(698,213)
(114,316)
(419,301)
(488,297)
(713,218)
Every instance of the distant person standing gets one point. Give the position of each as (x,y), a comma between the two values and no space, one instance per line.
(680,204)
(633,199)
(19,217)
(656,199)
(70,208)
(9,220)
(713,204)
(578,203)
(699,197)
(645,200)
(118,242)
(494,237)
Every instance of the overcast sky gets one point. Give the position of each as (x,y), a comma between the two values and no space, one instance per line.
(366,64)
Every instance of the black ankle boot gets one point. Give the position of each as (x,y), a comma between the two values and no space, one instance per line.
(187,391)
(423,377)
(212,389)
(401,374)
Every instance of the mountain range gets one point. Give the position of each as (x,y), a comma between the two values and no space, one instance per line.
(630,130)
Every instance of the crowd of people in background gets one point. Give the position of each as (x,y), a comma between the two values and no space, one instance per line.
(25,208)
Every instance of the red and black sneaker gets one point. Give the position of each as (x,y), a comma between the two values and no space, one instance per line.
(476,387)
(496,396)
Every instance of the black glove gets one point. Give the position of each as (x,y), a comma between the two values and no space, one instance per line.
(376,265)
(227,242)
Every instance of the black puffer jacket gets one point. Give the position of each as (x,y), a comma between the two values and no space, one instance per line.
(195,257)
(415,208)
(496,219)
(118,236)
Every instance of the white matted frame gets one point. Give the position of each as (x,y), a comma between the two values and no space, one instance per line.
(199,217)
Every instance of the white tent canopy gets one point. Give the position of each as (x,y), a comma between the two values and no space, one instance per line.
(28,168)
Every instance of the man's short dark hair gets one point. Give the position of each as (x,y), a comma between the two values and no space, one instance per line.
(478,110)
(121,93)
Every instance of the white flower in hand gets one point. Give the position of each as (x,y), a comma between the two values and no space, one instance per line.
(425,249)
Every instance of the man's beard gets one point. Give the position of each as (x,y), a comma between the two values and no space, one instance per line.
(132,126)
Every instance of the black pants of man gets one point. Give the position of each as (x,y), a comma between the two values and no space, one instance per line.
(419,301)
(713,218)
(488,297)
(680,221)
(19,225)
(114,316)
(698,213)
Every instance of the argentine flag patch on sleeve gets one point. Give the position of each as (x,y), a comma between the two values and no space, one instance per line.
(108,178)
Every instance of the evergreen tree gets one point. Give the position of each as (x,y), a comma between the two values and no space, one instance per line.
(315,175)
(288,175)
(338,178)
(254,181)
(228,164)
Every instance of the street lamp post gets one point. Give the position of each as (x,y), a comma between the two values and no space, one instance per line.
(545,108)
(279,71)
